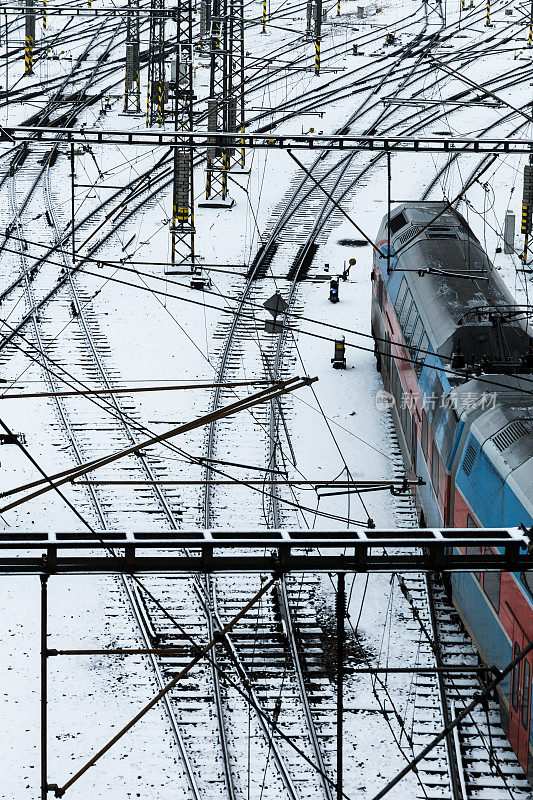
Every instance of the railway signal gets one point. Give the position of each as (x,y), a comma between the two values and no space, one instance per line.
(339,355)
(334,290)
(275,305)
(346,270)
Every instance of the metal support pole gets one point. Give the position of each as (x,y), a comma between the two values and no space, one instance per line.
(72,202)
(487,23)
(242,75)
(341,611)
(44,687)
(44,15)
(7,64)
(530,38)
(220,104)
(182,227)
(29,37)
(309,18)
(389,178)
(318,34)
(527,205)
(264,16)
(132,86)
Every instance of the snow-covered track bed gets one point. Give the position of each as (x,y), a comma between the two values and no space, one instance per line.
(477,763)
(265,655)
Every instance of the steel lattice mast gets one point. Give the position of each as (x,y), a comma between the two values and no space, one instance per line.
(132,84)
(182,230)
(216,187)
(236,117)
(155,102)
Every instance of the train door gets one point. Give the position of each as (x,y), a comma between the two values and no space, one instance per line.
(519,707)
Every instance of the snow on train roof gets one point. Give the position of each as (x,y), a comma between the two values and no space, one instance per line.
(447,246)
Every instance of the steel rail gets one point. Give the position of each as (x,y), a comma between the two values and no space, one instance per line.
(284,604)
(274,437)
(163,502)
(99,207)
(127,583)
(102,519)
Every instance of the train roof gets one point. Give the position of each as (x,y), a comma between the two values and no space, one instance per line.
(453,283)
(500,416)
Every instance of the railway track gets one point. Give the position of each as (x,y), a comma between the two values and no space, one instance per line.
(277,652)
(294,657)
(444,773)
(477,763)
(91,429)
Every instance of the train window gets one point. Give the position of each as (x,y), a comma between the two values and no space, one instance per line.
(396,223)
(424,441)
(415,338)
(386,353)
(414,442)
(516,678)
(406,423)
(404,312)
(492,586)
(527,580)
(525,693)
(435,467)
(450,430)
(400,296)
(410,323)
(421,355)
(380,292)
(438,392)
(475,550)
(396,388)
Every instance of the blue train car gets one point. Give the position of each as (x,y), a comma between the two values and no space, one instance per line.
(456,355)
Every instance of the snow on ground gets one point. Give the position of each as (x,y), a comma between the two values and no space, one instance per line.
(168,338)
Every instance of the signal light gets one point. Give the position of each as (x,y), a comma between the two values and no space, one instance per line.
(339,359)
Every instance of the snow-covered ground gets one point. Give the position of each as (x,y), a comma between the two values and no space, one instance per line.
(160,331)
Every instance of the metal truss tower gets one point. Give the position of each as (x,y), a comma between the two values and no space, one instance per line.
(132,85)
(182,230)
(225,106)
(236,118)
(156,90)
(205,25)
(216,186)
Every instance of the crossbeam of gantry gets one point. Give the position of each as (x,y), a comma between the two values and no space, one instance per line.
(272,551)
(254,141)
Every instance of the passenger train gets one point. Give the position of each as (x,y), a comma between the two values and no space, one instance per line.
(456,355)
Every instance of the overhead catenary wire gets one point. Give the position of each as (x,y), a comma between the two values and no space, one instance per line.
(321,323)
